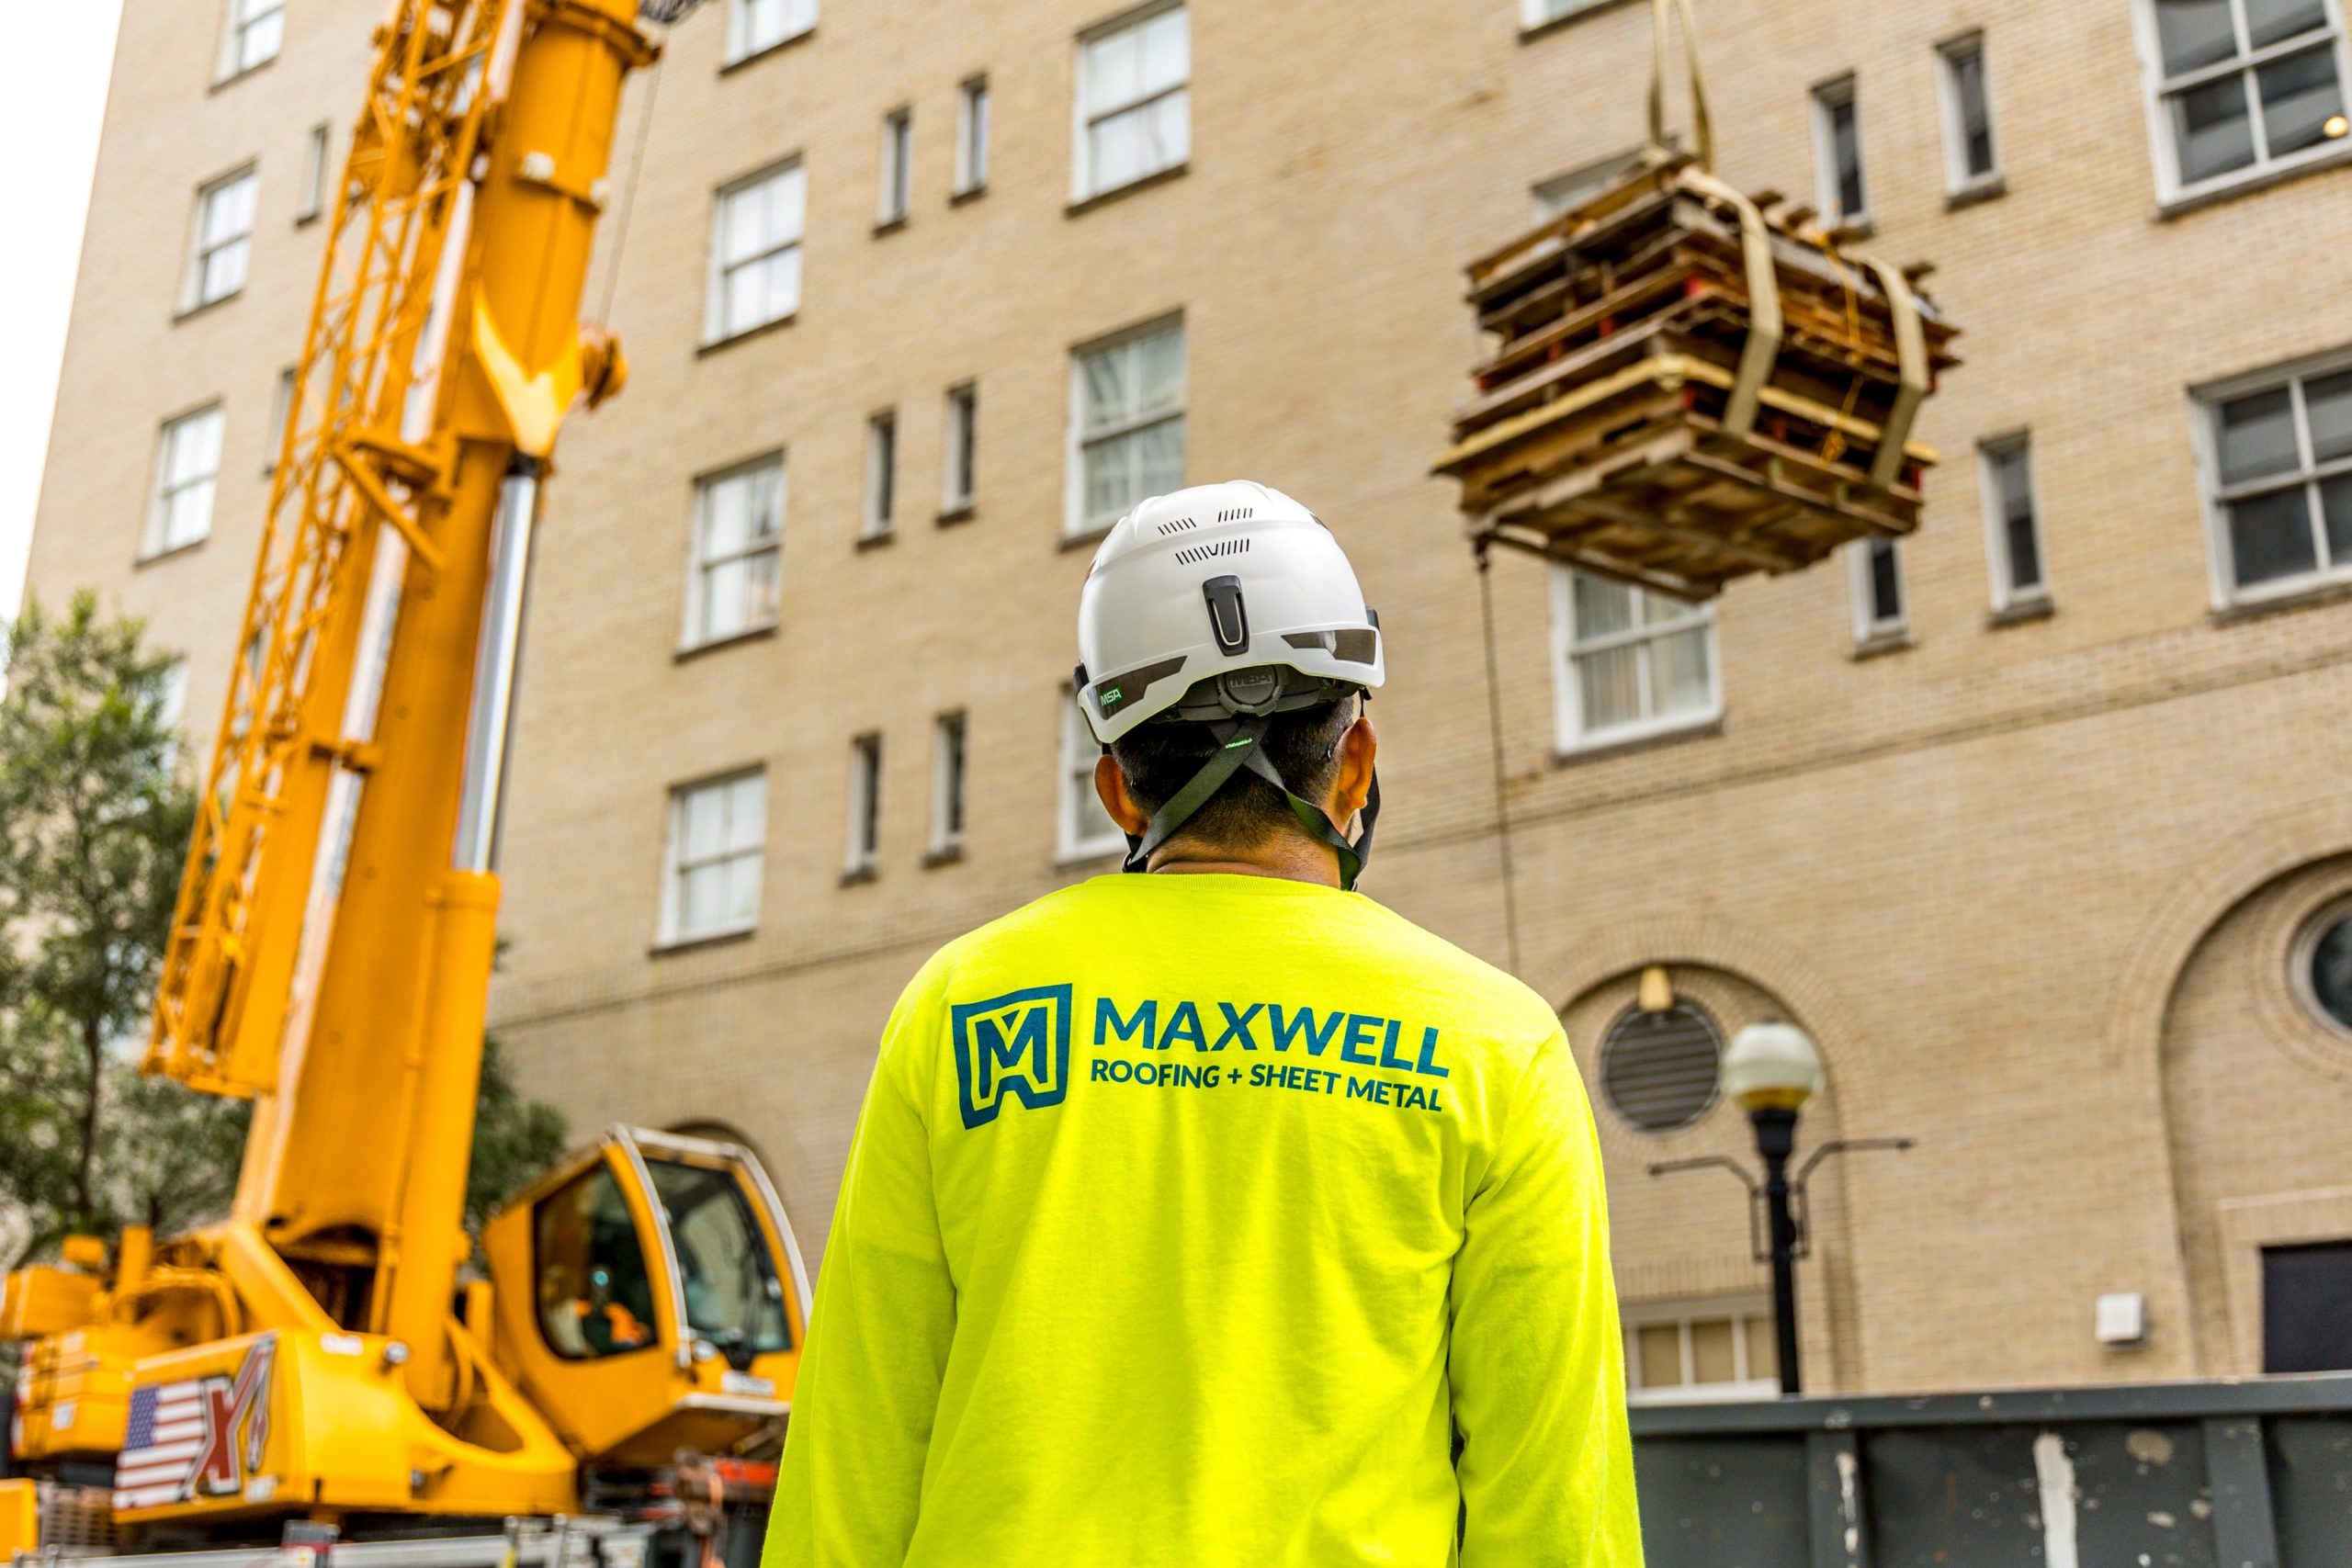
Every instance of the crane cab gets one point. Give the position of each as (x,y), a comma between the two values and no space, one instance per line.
(651,1298)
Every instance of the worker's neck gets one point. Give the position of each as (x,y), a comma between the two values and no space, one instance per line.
(1293,857)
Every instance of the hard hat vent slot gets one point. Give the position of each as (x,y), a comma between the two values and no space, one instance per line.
(1202,552)
(1176,525)
(1237,514)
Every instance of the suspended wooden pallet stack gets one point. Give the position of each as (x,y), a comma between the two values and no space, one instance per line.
(1686,390)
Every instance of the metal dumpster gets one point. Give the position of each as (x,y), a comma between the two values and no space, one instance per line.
(2248,1474)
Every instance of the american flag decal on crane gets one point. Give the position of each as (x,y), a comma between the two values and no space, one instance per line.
(181,1440)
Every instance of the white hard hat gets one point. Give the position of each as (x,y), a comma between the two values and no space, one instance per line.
(1211,581)
(1224,604)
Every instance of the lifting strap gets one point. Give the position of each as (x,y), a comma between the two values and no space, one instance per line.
(1703,135)
(1765,327)
(1240,745)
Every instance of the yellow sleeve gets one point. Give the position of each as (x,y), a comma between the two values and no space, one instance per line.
(878,1334)
(1536,1360)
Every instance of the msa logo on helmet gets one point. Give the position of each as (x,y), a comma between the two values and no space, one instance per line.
(1016,1045)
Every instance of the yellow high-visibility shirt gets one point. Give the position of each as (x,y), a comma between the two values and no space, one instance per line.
(1189,1219)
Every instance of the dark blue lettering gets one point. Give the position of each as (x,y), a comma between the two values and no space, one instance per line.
(1388,1057)
(1301,1027)
(1184,1023)
(1107,1021)
(1362,1028)
(1428,1065)
(1237,1026)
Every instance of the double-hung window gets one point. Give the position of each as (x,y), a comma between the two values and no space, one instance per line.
(1135,116)
(1880,617)
(1837,153)
(718,845)
(1126,423)
(963,450)
(223,240)
(1086,828)
(187,468)
(756,251)
(2240,88)
(737,551)
(755,27)
(256,30)
(972,136)
(1972,165)
(881,474)
(1628,662)
(2012,523)
(865,807)
(897,168)
(2281,498)
(946,786)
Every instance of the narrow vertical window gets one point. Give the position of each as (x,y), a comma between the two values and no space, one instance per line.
(898,167)
(865,807)
(1134,116)
(1880,618)
(972,136)
(1971,163)
(223,241)
(1126,423)
(1837,153)
(1086,828)
(881,473)
(755,27)
(718,852)
(187,468)
(281,412)
(962,435)
(755,252)
(946,786)
(257,29)
(171,694)
(2012,522)
(316,148)
(738,550)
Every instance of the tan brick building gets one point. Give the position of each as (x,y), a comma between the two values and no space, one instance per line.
(2042,827)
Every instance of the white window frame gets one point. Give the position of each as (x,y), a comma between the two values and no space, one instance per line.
(2157,90)
(1083,184)
(694,628)
(2205,405)
(675,866)
(742,46)
(1991,452)
(1533,14)
(1958,179)
(861,856)
(1569,734)
(201,253)
(715,328)
(1870,629)
(161,493)
(317,154)
(1739,1309)
(895,199)
(1075,520)
(171,694)
(973,108)
(239,18)
(1842,91)
(960,473)
(1079,751)
(950,773)
(1547,198)
(881,502)
(281,409)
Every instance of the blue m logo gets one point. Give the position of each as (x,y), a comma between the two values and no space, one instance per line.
(1017,1044)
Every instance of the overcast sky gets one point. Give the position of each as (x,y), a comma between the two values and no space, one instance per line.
(49,126)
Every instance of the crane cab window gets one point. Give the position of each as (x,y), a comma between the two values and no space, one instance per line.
(734,1299)
(595,1297)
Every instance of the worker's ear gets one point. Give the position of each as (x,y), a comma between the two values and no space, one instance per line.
(1112,786)
(1353,785)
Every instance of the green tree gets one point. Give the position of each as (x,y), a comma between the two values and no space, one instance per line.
(96,809)
(515,1138)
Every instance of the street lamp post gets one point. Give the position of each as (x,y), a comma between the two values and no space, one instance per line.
(1771,1069)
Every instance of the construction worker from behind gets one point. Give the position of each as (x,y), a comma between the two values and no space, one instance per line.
(1216,1215)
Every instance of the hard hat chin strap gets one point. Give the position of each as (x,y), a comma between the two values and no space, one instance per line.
(1240,746)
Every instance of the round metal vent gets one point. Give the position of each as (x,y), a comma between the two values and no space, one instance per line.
(2324,967)
(1659,1070)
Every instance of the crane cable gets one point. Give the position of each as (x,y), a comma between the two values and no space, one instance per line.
(629,190)
(1495,731)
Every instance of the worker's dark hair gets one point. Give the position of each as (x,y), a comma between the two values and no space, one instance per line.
(1160,758)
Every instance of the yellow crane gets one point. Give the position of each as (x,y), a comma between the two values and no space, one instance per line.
(328,1355)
